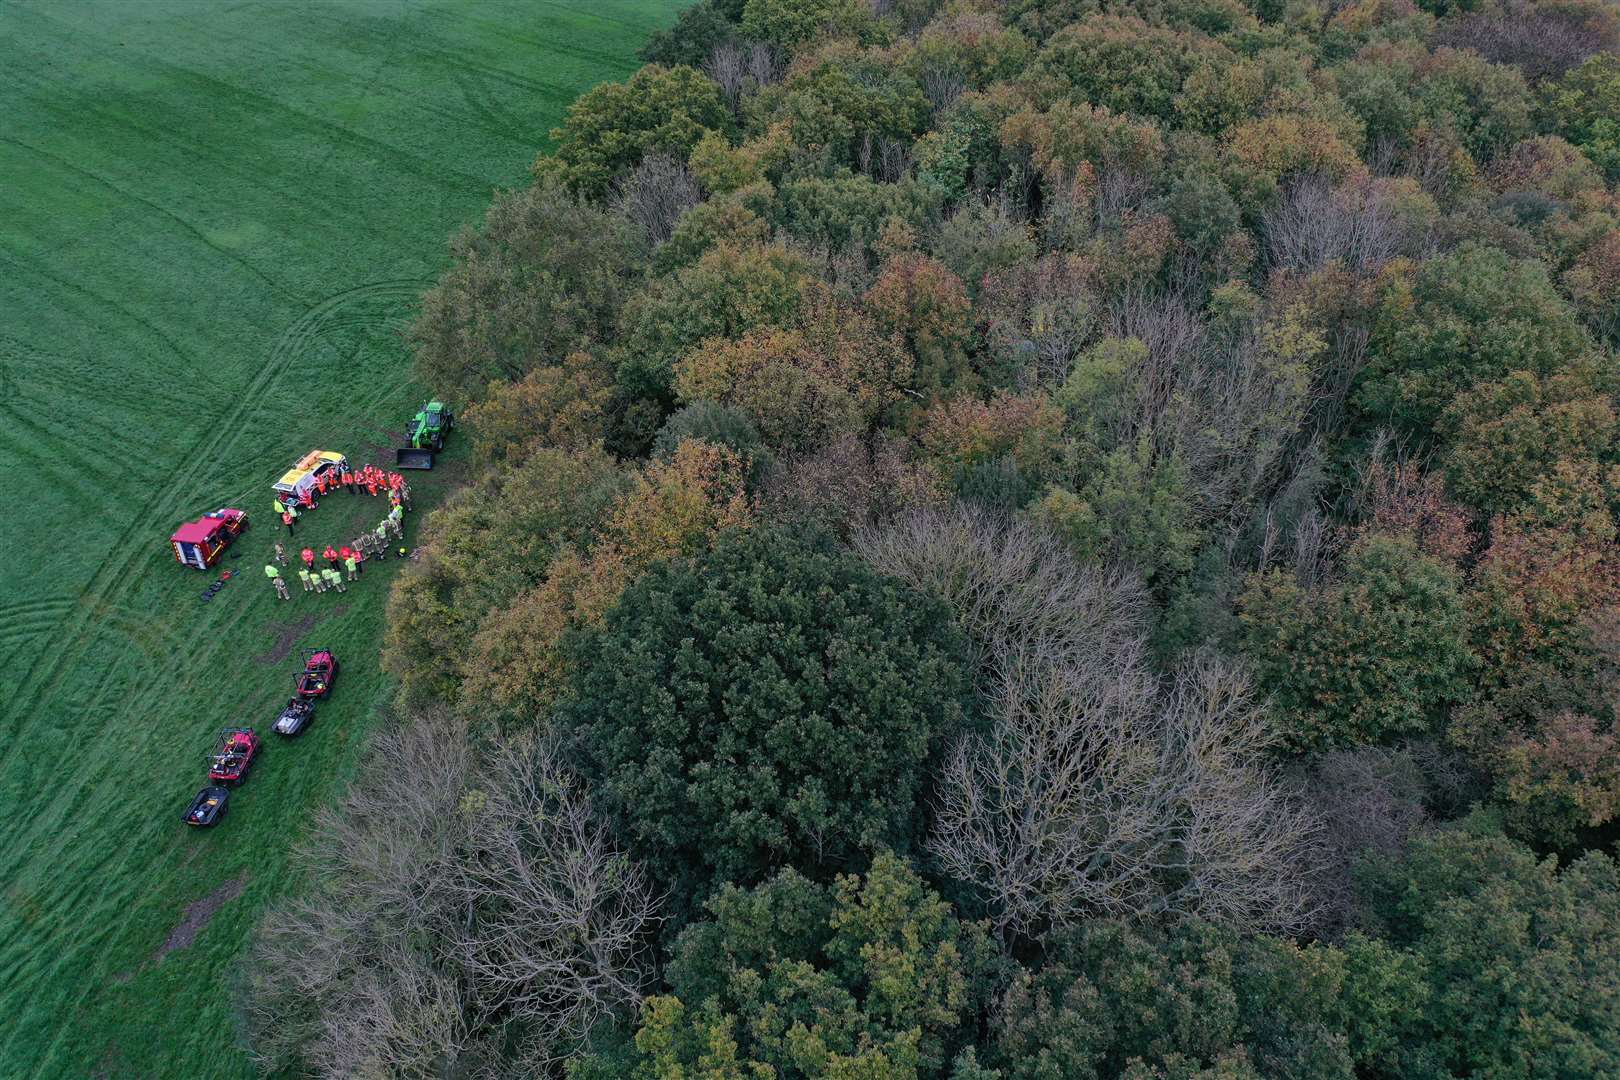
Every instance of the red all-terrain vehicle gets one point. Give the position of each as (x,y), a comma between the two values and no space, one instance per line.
(320,672)
(234,756)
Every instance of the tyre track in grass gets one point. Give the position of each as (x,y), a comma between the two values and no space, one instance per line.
(57,471)
(161,211)
(497,119)
(126,698)
(143,649)
(192,156)
(257,105)
(138,687)
(22,263)
(94,616)
(156,839)
(89,475)
(19,622)
(113,579)
(79,464)
(74,817)
(298,167)
(102,886)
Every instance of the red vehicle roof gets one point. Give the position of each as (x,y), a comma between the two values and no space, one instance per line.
(195,532)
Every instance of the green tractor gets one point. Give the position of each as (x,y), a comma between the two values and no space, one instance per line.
(424,436)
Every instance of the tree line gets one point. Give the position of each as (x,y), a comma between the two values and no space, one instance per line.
(1042,539)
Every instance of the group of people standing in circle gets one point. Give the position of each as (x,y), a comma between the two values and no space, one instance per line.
(346,562)
(369,478)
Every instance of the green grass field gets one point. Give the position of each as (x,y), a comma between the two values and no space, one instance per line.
(214,220)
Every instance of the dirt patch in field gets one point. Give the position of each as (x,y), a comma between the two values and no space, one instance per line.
(378,451)
(197,914)
(292,631)
(111,1064)
(289,633)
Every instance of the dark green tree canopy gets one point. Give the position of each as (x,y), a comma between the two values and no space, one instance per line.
(873,976)
(771,704)
(1471,316)
(1381,654)
(1522,957)
(610,128)
(544,275)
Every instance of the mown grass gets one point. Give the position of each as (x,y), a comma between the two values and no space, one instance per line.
(214,221)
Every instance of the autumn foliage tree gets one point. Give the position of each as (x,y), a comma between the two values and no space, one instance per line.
(1542,720)
(544,276)
(919,300)
(516,664)
(831,374)
(614,125)
(561,406)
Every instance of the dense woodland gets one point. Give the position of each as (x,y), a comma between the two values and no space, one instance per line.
(1031,540)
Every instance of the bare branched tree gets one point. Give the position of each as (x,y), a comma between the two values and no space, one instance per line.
(1041,314)
(1036,812)
(331,989)
(1176,340)
(942,85)
(656,193)
(1542,40)
(1371,799)
(728,67)
(764,66)
(1355,225)
(1110,793)
(1241,852)
(848,484)
(1432,161)
(403,1017)
(1121,188)
(1011,583)
(894,159)
(1346,356)
(559,919)
(1236,421)
(1099,788)
(463,915)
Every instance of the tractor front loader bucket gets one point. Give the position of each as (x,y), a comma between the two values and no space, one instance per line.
(409,457)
